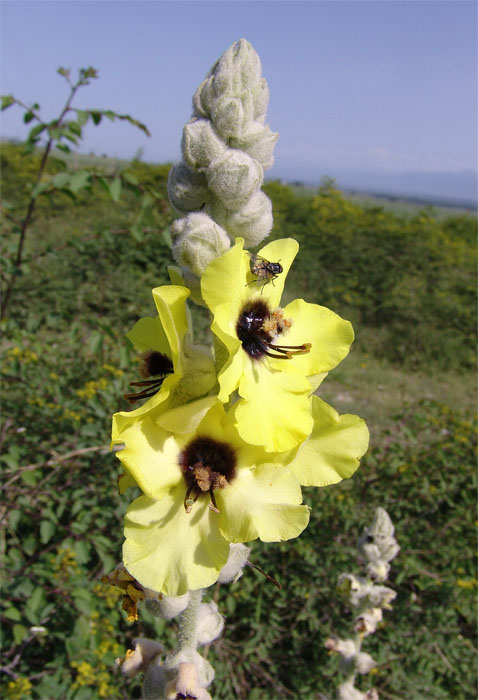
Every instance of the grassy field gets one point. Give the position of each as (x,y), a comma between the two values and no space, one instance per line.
(408,285)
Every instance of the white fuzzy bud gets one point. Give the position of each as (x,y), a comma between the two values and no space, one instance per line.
(233,177)
(144,650)
(252,222)
(239,67)
(210,623)
(259,142)
(203,99)
(378,570)
(187,189)
(205,672)
(232,115)
(172,606)
(237,559)
(347,691)
(367,622)
(364,662)
(260,100)
(197,241)
(200,144)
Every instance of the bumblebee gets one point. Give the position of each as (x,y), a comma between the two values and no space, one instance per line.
(264,270)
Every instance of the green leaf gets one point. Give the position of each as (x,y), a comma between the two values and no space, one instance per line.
(96,117)
(28,116)
(19,633)
(82,116)
(75,128)
(7,101)
(61,179)
(80,179)
(129,177)
(39,188)
(115,189)
(137,233)
(63,147)
(37,599)
(47,528)
(33,133)
(12,614)
(29,478)
(95,343)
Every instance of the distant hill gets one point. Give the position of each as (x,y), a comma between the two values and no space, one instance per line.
(446,189)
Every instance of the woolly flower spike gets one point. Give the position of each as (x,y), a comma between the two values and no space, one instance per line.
(225,148)
(203,489)
(272,355)
(173,369)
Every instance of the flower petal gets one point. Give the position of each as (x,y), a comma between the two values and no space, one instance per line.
(169,550)
(151,456)
(186,418)
(170,302)
(329,334)
(262,502)
(148,334)
(333,449)
(224,279)
(275,412)
(283,250)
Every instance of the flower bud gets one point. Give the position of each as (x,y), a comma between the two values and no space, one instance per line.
(258,141)
(364,662)
(200,144)
(197,241)
(187,189)
(232,115)
(260,100)
(205,672)
(347,691)
(232,570)
(144,650)
(378,570)
(172,606)
(252,222)
(233,177)
(239,67)
(366,623)
(203,99)
(210,623)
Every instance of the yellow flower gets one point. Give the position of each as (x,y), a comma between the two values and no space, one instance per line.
(275,358)
(204,488)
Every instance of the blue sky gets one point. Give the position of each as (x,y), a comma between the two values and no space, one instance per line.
(385,87)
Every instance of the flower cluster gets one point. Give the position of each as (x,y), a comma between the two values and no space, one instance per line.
(220,443)
(220,456)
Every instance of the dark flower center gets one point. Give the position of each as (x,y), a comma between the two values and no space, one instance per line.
(153,364)
(206,465)
(257,327)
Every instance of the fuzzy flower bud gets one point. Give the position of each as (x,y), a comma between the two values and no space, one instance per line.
(364,662)
(232,570)
(197,241)
(259,142)
(187,189)
(144,650)
(200,144)
(233,177)
(172,606)
(210,623)
(367,622)
(204,670)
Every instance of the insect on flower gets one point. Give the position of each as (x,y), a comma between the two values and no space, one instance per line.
(266,271)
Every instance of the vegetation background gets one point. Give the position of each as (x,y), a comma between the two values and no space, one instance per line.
(98,243)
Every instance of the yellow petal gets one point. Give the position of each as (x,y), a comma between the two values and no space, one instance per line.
(262,502)
(148,334)
(169,550)
(275,412)
(151,456)
(333,449)
(329,334)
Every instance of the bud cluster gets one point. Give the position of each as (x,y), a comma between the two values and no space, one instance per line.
(226,146)
(184,672)
(368,597)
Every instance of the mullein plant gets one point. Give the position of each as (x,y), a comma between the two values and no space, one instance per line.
(221,438)
(367,597)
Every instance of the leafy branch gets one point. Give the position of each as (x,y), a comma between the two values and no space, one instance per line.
(57,131)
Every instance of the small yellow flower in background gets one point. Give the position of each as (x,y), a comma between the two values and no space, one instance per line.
(19,688)
(275,358)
